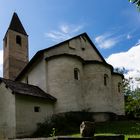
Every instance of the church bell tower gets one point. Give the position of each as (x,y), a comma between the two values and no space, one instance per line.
(15,46)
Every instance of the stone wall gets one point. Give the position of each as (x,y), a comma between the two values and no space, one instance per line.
(63,86)
(7,115)
(97,95)
(117,95)
(89,92)
(55,75)
(26,116)
(37,75)
(15,55)
(115,137)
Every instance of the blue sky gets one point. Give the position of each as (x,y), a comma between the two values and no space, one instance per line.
(112,25)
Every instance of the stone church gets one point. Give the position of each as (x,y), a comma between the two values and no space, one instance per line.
(69,76)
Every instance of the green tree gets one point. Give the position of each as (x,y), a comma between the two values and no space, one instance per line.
(132,96)
(137,2)
(132,104)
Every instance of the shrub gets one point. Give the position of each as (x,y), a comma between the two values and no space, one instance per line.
(63,123)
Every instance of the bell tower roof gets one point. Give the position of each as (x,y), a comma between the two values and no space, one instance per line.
(16,25)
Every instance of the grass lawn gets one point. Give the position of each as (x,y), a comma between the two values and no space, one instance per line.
(131,129)
(119,127)
(109,134)
(131,136)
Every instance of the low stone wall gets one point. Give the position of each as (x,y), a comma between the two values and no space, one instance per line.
(72,138)
(117,137)
(34,139)
(56,138)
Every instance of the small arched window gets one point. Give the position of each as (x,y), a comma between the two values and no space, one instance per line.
(105,79)
(76,74)
(18,40)
(119,87)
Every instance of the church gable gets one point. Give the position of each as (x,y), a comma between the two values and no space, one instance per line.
(85,48)
(80,45)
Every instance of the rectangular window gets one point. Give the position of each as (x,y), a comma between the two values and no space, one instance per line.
(18,40)
(36,109)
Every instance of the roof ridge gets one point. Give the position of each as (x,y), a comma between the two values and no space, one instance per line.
(84,33)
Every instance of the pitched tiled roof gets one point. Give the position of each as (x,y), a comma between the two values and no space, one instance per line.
(26,89)
(16,25)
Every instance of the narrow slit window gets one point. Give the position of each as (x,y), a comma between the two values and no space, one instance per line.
(76,74)
(18,40)
(105,79)
(119,87)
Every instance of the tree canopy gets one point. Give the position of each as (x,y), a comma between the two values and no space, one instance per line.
(137,2)
(132,96)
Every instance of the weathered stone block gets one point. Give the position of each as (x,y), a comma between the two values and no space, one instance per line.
(87,129)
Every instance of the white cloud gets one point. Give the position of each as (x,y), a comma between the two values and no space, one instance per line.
(138,43)
(65,31)
(1,63)
(130,60)
(65,28)
(129,36)
(107,40)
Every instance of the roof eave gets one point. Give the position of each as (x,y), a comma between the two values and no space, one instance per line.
(49,99)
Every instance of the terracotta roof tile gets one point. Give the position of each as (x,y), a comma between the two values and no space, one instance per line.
(26,89)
